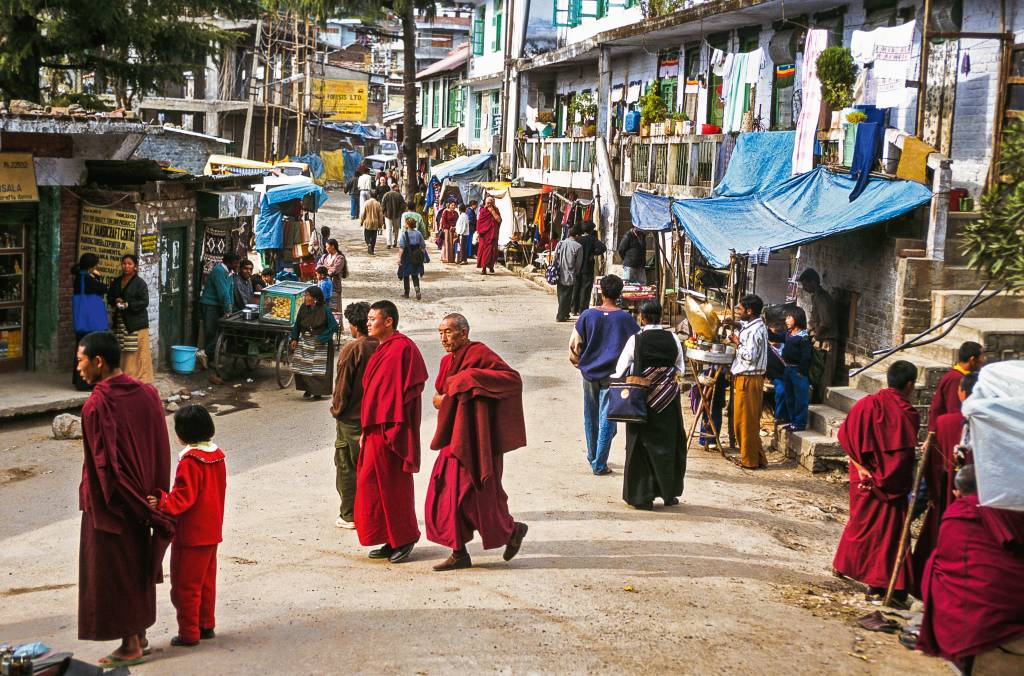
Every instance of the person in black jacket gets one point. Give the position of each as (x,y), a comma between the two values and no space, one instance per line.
(632,250)
(796,353)
(129,298)
(84,281)
(591,249)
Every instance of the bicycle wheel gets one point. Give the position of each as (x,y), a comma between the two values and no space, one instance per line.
(220,365)
(283,365)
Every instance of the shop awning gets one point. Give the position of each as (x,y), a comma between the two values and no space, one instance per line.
(438,135)
(802,209)
(226,164)
(269,226)
(460,165)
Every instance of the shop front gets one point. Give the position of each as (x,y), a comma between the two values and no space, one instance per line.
(18,215)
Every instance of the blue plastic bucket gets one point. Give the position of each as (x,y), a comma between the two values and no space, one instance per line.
(183,358)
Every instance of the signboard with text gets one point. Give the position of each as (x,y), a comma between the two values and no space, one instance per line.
(341,100)
(17,178)
(109,234)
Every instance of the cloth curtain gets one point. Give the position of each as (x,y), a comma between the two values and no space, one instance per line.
(807,123)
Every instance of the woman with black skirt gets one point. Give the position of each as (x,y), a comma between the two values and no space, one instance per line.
(85,282)
(655,450)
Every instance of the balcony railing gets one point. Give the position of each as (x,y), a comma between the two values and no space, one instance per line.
(564,162)
(682,166)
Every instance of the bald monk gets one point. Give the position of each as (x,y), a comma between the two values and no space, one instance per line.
(385,509)
(969,359)
(123,539)
(480,418)
(974,586)
(939,469)
(879,435)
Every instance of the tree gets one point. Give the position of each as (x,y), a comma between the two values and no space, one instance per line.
(135,44)
(994,243)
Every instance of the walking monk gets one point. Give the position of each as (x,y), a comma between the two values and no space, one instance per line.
(879,435)
(385,509)
(488,223)
(480,417)
(123,539)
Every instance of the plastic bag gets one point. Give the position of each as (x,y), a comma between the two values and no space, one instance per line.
(995,432)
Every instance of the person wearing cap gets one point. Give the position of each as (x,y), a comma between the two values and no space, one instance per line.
(822,325)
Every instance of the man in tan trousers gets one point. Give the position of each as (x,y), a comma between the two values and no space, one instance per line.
(748,381)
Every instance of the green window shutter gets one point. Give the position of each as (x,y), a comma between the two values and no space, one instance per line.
(423,105)
(477,37)
(496,42)
(477,114)
(562,10)
(575,12)
(495,112)
(460,106)
(435,105)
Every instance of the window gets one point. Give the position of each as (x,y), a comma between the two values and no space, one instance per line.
(783,80)
(478,109)
(455,96)
(570,13)
(1013,97)
(692,84)
(435,105)
(495,112)
(668,74)
(716,107)
(477,34)
(563,14)
(423,104)
(496,21)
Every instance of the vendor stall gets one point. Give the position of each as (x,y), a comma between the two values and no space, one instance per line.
(285,221)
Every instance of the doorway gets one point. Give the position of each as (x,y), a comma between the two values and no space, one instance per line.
(172,288)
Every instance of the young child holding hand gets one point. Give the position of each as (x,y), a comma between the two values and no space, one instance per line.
(197,499)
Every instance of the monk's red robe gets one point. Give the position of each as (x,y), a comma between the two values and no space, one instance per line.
(880,434)
(480,419)
(385,509)
(946,398)
(123,540)
(487,232)
(938,473)
(974,582)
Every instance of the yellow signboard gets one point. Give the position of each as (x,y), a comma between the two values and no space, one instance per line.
(18,178)
(109,234)
(342,100)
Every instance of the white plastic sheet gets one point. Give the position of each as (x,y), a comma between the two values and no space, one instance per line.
(995,416)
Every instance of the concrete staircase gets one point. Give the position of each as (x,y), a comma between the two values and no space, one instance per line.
(998,325)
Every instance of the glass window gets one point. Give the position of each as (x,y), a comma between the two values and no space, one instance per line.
(783,81)
(477,36)
(478,101)
(496,42)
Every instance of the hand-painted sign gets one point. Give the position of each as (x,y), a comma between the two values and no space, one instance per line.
(17,178)
(109,234)
(343,100)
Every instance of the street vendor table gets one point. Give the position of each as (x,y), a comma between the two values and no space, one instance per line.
(249,341)
(632,295)
(706,383)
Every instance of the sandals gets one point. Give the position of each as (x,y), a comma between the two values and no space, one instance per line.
(112,662)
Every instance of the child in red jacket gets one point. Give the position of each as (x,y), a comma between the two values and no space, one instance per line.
(197,499)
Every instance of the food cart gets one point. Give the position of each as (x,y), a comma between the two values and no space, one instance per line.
(261,332)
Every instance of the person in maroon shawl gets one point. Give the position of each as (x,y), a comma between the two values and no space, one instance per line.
(123,539)
(974,585)
(385,509)
(969,359)
(939,469)
(879,435)
(480,418)
(488,222)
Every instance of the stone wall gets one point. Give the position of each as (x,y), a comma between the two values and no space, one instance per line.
(181,150)
(70,208)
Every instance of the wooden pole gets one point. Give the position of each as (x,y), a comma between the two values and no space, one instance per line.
(923,70)
(901,553)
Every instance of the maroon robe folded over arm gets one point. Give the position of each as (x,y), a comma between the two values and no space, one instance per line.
(123,540)
(974,582)
(879,434)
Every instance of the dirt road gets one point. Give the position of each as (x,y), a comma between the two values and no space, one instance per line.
(733,580)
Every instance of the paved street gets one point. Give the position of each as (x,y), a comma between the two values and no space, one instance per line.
(733,580)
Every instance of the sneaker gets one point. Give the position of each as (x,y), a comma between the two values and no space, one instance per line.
(341,523)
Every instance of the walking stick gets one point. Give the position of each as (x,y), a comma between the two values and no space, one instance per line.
(905,535)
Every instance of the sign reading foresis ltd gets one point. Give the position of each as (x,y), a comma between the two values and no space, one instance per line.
(342,100)
(17,178)
(109,234)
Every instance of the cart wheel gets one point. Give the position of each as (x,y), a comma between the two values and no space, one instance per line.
(220,365)
(285,375)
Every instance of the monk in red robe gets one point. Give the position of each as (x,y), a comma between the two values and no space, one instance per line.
(974,583)
(970,359)
(488,223)
(123,539)
(385,509)
(879,435)
(480,418)
(939,469)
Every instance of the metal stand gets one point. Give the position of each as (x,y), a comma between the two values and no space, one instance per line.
(706,385)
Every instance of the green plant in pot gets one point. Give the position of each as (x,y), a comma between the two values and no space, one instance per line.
(652,109)
(583,112)
(837,74)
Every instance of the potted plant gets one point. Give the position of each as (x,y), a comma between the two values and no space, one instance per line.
(583,114)
(683,125)
(837,74)
(652,110)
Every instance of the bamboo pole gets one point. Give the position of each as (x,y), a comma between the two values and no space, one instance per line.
(901,553)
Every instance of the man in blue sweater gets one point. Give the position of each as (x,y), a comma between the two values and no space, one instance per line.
(216,299)
(597,341)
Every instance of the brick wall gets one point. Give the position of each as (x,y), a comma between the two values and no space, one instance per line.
(183,152)
(70,207)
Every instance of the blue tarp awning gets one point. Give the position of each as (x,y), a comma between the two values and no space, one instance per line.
(802,209)
(460,165)
(355,128)
(313,161)
(760,161)
(269,227)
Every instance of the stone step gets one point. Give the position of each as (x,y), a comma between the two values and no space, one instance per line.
(843,398)
(953,254)
(874,379)
(942,351)
(956,220)
(947,302)
(825,420)
(1002,337)
(812,450)
(960,277)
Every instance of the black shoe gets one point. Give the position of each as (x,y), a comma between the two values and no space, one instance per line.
(317,397)
(671,502)
(307,395)
(418,296)
(647,506)
(205,634)
(400,554)
(515,542)
(179,642)
(382,553)
(405,294)
(457,561)
(604,472)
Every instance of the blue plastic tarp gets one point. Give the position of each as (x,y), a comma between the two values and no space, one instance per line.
(651,212)
(269,227)
(352,160)
(761,161)
(461,165)
(315,164)
(354,128)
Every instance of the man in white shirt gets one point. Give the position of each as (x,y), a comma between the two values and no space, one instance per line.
(365,185)
(462,232)
(748,381)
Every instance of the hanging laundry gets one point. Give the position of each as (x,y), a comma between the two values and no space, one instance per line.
(965,64)
(914,160)
(725,69)
(867,147)
(888,51)
(810,110)
(634,91)
(734,93)
(717,61)
(753,70)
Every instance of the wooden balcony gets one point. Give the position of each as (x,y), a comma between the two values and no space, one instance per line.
(680,166)
(560,162)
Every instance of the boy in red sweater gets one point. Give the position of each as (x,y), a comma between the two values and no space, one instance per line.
(197,499)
